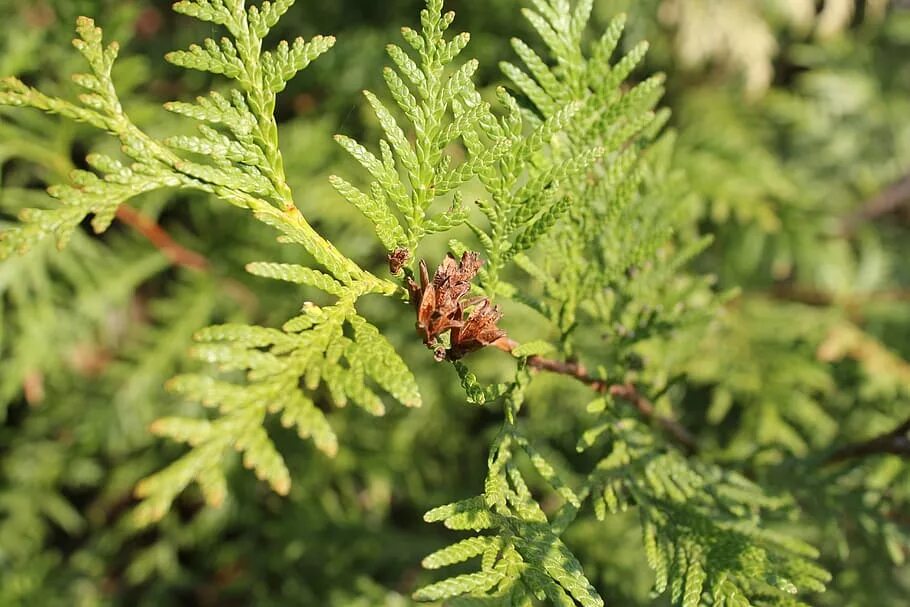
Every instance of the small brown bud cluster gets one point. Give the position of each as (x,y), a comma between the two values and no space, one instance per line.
(398,259)
(441,307)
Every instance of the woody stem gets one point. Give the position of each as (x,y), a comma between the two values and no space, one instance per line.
(161,240)
(896,442)
(179,255)
(627,392)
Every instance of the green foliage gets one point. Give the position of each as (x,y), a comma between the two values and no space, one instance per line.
(701,524)
(743,442)
(243,167)
(400,207)
(525,558)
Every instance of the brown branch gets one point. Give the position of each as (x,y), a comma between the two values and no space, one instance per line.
(854,304)
(627,392)
(181,256)
(161,240)
(440,306)
(813,297)
(887,201)
(896,442)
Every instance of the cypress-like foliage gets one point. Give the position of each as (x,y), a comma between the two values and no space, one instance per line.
(645,393)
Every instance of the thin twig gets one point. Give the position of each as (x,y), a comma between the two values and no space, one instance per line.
(813,297)
(161,240)
(896,442)
(630,393)
(627,392)
(887,201)
(182,256)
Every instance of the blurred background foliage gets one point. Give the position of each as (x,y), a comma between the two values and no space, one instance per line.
(793,143)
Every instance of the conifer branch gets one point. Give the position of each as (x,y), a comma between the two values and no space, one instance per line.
(580,172)
(895,442)
(241,164)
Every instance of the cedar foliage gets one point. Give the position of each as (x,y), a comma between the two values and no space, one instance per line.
(727,412)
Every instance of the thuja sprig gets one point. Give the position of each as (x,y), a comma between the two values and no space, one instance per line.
(245,166)
(410,176)
(234,156)
(571,179)
(522,556)
(573,176)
